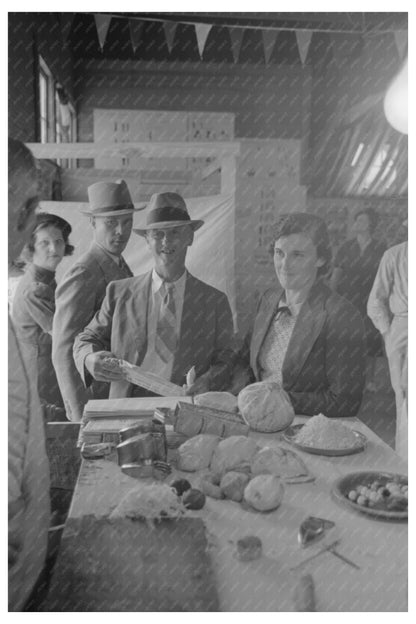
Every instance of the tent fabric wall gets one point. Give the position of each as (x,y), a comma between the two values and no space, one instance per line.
(210,258)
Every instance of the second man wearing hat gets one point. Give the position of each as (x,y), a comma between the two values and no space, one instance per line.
(82,290)
(166,321)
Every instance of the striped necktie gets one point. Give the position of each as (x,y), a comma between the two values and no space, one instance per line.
(166,338)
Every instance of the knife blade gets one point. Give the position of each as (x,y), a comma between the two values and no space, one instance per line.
(317,554)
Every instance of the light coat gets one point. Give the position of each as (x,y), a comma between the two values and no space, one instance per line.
(120,326)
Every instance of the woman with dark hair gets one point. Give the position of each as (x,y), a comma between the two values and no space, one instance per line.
(355,268)
(305,337)
(34,300)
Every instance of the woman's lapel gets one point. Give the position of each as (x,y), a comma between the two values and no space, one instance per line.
(262,324)
(308,326)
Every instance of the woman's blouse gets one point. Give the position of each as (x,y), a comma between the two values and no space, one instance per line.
(274,347)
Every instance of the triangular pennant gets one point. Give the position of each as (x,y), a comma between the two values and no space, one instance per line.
(136,31)
(170,30)
(236,35)
(102,23)
(303,38)
(269,39)
(202,32)
(66,23)
(400,37)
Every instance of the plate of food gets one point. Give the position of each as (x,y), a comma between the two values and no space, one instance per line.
(383,495)
(325,436)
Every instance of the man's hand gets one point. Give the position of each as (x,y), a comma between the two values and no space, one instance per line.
(199,386)
(103,366)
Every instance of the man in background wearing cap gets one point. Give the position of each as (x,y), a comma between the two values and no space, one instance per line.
(82,290)
(166,321)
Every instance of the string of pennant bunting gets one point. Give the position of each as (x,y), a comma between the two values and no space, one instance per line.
(202,30)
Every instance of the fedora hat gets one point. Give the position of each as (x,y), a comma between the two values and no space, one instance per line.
(109,199)
(167,210)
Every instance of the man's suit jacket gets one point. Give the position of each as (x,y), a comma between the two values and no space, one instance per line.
(324,367)
(120,326)
(78,297)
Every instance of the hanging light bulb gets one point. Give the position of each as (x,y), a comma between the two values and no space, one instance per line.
(396,101)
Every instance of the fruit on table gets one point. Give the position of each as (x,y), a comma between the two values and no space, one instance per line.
(181,486)
(249,548)
(193,499)
(210,489)
(209,484)
(264,492)
(232,485)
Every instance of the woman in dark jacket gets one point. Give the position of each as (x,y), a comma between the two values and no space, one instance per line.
(305,337)
(34,300)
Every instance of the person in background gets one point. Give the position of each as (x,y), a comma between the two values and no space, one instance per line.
(305,337)
(166,321)
(387,307)
(355,267)
(28,468)
(34,301)
(81,291)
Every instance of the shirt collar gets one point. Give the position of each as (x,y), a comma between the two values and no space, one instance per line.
(294,308)
(157,282)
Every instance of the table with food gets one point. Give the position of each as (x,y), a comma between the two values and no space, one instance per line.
(223,503)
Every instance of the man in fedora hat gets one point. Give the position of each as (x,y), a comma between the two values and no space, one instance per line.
(166,321)
(82,290)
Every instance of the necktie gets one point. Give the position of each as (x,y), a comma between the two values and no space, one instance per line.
(166,338)
(124,266)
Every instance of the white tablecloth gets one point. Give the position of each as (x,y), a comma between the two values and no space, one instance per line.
(378,547)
